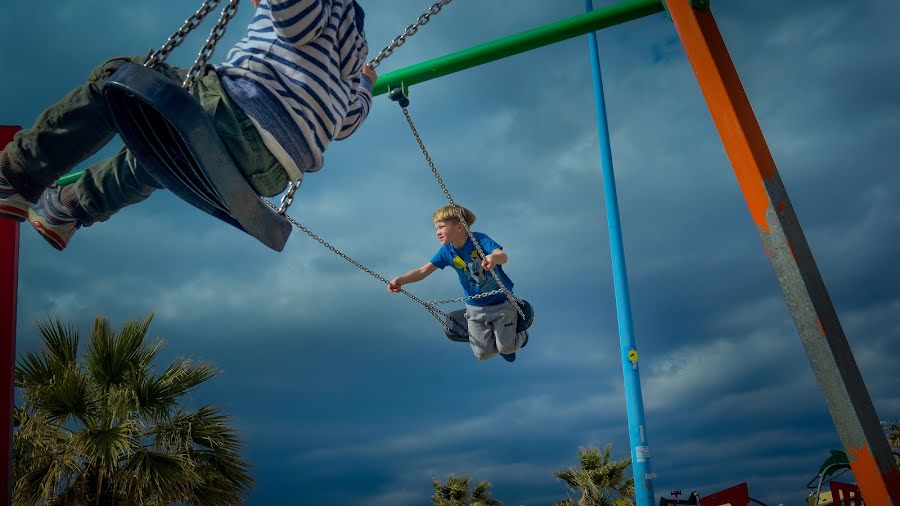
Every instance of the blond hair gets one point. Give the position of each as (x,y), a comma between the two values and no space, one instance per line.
(447,213)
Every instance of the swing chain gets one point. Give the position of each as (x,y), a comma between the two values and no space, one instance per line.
(198,69)
(512,298)
(467,297)
(410,31)
(288,197)
(436,313)
(175,40)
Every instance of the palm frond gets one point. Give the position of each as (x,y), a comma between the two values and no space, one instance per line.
(223,474)
(60,340)
(106,443)
(32,369)
(204,428)
(158,476)
(67,395)
(157,395)
(112,355)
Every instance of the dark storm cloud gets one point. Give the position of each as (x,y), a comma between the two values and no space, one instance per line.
(347,395)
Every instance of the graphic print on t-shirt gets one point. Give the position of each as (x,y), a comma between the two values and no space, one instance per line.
(477,277)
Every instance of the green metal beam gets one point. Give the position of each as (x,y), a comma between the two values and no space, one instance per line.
(552,33)
(605,17)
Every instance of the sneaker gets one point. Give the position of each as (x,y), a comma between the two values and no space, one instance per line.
(12,205)
(509,357)
(50,218)
(525,341)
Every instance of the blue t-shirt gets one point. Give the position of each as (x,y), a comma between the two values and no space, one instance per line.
(472,276)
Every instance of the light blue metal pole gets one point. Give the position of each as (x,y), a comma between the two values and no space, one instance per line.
(640,449)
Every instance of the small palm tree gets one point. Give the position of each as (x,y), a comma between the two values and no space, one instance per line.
(894,440)
(456,493)
(600,481)
(112,429)
(894,434)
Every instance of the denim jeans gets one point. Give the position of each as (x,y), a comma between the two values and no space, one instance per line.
(78,126)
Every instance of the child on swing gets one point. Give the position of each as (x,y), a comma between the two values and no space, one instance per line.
(491,319)
(294,83)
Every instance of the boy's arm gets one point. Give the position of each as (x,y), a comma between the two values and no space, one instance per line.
(298,22)
(411,277)
(496,257)
(359,109)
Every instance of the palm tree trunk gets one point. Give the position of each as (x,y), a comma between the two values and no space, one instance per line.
(99,487)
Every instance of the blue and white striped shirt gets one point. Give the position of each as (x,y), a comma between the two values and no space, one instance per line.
(308,54)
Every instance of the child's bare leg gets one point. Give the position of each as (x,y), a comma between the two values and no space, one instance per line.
(63,136)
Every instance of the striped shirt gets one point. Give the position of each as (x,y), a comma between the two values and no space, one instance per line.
(309,55)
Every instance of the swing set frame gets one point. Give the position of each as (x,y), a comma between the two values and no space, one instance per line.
(784,243)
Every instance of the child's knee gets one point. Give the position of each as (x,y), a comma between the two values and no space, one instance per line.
(105,70)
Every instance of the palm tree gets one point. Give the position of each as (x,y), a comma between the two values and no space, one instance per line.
(894,440)
(894,434)
(112,429)
(456,493)
(600,482)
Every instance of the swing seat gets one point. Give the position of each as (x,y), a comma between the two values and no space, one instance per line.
(459,329)
(174,139)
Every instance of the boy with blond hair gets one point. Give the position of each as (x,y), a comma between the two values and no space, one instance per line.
(491,319)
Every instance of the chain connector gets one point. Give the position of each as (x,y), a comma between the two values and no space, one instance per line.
(400,95)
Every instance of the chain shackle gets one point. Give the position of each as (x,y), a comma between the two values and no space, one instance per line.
(288,197)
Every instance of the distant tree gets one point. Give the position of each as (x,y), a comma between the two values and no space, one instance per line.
(598,480)
(894,434)
(456,493)
(112,429)
(894,440)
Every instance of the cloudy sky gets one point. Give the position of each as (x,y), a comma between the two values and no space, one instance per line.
(347,395)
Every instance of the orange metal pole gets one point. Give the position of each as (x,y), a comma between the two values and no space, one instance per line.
(9,270)
(807,297)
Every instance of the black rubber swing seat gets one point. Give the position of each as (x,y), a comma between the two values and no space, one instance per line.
(459,329)
(174,139)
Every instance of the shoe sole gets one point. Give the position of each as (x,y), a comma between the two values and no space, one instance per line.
(13,213)
(50,236)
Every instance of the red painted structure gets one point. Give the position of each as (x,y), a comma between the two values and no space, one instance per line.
(845,494)
(9,285)
(738,495)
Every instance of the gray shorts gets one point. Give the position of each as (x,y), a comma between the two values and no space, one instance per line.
(492,329)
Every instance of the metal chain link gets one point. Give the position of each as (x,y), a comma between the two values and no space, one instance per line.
(436,313)
(288,197)
(175,40)
(198,69)
(410,31)
(467,297)
(512,298)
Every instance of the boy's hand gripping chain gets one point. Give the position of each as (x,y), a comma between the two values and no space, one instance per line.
(398,96)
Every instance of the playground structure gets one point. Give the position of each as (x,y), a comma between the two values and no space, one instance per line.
(784,243)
